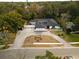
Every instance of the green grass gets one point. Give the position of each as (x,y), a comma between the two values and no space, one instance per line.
(10,40)
(75,45)
(72,38)
(68,38)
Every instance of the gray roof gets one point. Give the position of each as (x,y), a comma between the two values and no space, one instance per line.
(41,23)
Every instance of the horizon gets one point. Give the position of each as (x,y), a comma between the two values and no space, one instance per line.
(33,0)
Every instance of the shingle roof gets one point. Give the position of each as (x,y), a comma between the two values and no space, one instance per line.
(42,23)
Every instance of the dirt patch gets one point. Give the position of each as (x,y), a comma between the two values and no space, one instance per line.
(40,39)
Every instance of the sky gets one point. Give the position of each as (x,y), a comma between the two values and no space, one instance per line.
(32,0)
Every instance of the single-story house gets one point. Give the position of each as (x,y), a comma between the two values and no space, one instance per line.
(44,23)
(74,28)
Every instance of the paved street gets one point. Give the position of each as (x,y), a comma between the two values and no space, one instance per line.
(30,53)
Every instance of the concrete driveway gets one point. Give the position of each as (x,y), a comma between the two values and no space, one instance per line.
(31,31)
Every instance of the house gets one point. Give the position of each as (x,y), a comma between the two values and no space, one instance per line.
(44,23)
(76,28)
(73,28)
(70,25)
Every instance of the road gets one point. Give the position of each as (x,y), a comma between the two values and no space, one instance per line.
(30,53)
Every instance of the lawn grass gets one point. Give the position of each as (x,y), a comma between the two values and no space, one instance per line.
(75,45)
(10,40)
(67,37)
(72,37)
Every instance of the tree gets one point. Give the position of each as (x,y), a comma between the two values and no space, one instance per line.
(73,9)
(9,23)
(15,20)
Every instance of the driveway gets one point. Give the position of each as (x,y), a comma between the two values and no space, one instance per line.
(30,31)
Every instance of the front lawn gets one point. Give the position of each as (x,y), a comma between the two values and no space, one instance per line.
(68,38)
(72,38)
(10,39)
(4,43)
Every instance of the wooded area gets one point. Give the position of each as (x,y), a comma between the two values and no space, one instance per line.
(14,15)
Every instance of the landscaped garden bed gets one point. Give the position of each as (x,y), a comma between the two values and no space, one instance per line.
(29,41)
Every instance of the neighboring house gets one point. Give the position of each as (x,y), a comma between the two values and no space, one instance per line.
(76,28)
(44,23)
(73,27)
(70,25)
